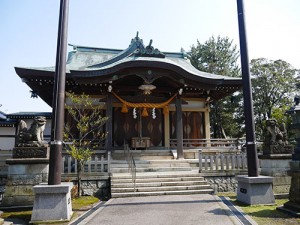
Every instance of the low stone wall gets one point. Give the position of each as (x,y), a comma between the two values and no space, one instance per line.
(228,183)
(99,188)
(96,186)
(222,183)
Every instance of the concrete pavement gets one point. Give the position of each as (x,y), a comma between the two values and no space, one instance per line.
(162,210)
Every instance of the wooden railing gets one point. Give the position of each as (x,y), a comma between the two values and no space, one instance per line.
(231,143)
(222,162)
(97,164)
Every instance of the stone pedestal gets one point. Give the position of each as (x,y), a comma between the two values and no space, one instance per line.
(277,166)
(293,205)
(23,174)
(278,149)
(255,190)
(52,203)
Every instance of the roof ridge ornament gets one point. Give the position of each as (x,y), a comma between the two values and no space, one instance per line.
(137,41)
(148,51)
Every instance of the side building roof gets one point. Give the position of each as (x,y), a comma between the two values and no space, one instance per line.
(12,119)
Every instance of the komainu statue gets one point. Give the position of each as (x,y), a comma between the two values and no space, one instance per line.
(34,136)
(276,139)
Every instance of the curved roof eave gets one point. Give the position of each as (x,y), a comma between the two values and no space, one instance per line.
(46,72)
(180,66)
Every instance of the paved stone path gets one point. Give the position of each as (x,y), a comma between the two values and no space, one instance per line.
(201,209)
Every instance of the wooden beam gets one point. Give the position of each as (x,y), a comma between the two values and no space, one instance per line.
(179,129)
(109,123)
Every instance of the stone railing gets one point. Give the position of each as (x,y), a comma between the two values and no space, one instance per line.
(222,162)
(97,164)
(220,143)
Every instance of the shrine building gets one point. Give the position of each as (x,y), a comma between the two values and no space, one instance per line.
(154,99)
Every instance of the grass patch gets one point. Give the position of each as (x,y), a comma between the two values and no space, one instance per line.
(78,204)
(83,201)
(265,214)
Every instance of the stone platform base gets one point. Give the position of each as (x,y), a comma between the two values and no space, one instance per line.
(290,208)
(293,206)
(22,175)
(52,203)
(276,166)
(255,190)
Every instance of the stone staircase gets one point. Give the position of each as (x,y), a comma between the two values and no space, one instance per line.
(156,174)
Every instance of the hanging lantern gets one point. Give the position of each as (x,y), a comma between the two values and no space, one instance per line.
(34,94)
(147,88)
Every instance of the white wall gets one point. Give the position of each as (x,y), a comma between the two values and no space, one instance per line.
(7,143)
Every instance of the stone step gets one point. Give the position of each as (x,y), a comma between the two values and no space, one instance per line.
(153,157)
(165,174)
(154,165)
(158,184)
(145,157)
(145,152)
(157,173)
(152,169)
(156,180)
(157,193)
(160,189)
(157,161)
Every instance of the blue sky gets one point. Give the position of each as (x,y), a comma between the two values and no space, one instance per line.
(29,32)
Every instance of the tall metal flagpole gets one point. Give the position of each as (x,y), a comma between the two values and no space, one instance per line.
(57,127)
(252,159)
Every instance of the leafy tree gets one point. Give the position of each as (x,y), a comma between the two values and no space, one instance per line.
(273,84)
(84,130)
(219,56)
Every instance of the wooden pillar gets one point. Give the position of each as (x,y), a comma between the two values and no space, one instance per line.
(207,127)
(167,129)
(207,124)
(109,123)
(179,129)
